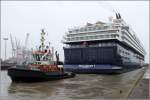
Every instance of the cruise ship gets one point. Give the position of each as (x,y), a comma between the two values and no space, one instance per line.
(102,47)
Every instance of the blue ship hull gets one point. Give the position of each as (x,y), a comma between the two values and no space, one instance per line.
(114,58)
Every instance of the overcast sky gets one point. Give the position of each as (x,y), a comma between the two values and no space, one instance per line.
(19,18)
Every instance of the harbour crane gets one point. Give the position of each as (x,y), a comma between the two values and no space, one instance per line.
(13,46)
(25,46)
(26,41)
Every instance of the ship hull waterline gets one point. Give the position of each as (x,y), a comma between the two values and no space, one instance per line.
(98,69)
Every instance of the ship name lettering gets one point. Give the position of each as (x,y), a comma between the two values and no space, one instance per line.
(86,66)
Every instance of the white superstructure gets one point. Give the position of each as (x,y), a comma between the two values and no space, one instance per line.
(115,29)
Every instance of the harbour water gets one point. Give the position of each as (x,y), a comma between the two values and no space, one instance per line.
(83,86)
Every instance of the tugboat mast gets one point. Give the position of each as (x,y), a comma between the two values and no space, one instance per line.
(42,39)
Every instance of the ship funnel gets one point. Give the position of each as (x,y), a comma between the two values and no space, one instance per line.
(117,17)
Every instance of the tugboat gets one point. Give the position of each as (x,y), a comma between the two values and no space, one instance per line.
(41,68)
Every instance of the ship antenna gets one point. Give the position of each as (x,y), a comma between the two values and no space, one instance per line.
(57,57)
(42,39)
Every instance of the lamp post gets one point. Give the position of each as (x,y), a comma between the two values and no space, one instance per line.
(5,39)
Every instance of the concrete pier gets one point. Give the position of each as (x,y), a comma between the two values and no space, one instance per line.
(141,88)
(133,87)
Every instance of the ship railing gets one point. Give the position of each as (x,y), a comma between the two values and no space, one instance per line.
(132,45)
(135,45)
(92,33)
(133,39)
(94,30)
(92,37)
(97,45)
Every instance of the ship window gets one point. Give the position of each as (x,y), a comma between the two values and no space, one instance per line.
(82,29)
(85,29)
(75,30)
(105,27)
(120,51)
(68,39)
(94,28)
(70,31)
(112,35)
(110,44)
(72,39)
(97,28)
(90,29)
(81,38)
(104,36)
(96,37)
(99,44)
(103,44)
(77,38)
(85,38)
